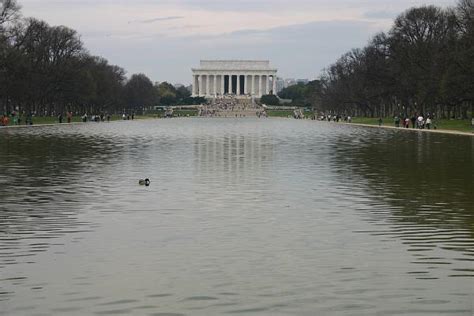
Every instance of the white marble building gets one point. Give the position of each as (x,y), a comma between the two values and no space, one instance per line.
(242,78)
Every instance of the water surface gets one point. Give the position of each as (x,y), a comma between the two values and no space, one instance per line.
(244,216)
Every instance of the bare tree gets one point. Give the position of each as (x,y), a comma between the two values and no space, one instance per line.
(424,64)
(9,11)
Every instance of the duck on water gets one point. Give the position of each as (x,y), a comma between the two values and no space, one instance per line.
(145,182)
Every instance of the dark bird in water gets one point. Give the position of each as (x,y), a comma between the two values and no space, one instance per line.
(144,182)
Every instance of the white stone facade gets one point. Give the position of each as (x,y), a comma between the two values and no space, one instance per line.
(242,78)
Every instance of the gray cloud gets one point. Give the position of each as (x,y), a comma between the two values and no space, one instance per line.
(240,5)
(159,19)
(187,27)
(294,5)
(296,50)
(381,15)
(300,51)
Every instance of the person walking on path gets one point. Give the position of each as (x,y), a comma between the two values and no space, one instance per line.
(69,116)
(29,119)
(420,122)
(413,120)
(397,121)
(428,123)
(380,121)
(15,118)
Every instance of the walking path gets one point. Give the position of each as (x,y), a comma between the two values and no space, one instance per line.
(40,125)
(439,131)
(73,123)
(251,114)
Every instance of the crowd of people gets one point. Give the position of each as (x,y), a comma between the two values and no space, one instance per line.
(24,118)
(336,118)
(16,119)
(417,121)
(95,118)
(226,104)
(298,114)
(261,114)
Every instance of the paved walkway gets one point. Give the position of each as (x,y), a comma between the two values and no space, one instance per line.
(72,123)
(252,114)
(442,131)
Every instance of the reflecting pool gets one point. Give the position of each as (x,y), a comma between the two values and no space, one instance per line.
(243,216)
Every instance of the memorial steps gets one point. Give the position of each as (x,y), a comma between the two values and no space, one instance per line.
(231,106)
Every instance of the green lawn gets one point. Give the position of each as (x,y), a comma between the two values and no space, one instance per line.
(40,120)
(185,113)
(37,120)
(116,117)
(454,125)
(286,113)
(280,113)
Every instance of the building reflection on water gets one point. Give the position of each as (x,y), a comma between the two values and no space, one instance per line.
(419,189)
(235,157)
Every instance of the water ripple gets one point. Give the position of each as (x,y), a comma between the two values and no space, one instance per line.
(242,216)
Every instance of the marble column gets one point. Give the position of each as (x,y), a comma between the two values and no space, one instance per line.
(256,85)
(207,85)
(253,85)
(222,84)
(200,85)
(246,87)
(215,86)
(267,86)
(230,84)
(274,84)
(260,85)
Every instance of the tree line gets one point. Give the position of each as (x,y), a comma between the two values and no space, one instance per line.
(46,70)
(424,64)
(303,95)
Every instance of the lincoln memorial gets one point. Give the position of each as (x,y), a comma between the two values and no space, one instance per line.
(242,78)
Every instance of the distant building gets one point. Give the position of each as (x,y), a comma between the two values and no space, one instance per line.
(241,78)
(288,82)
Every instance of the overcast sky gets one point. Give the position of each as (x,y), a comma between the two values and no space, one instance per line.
(165,38)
